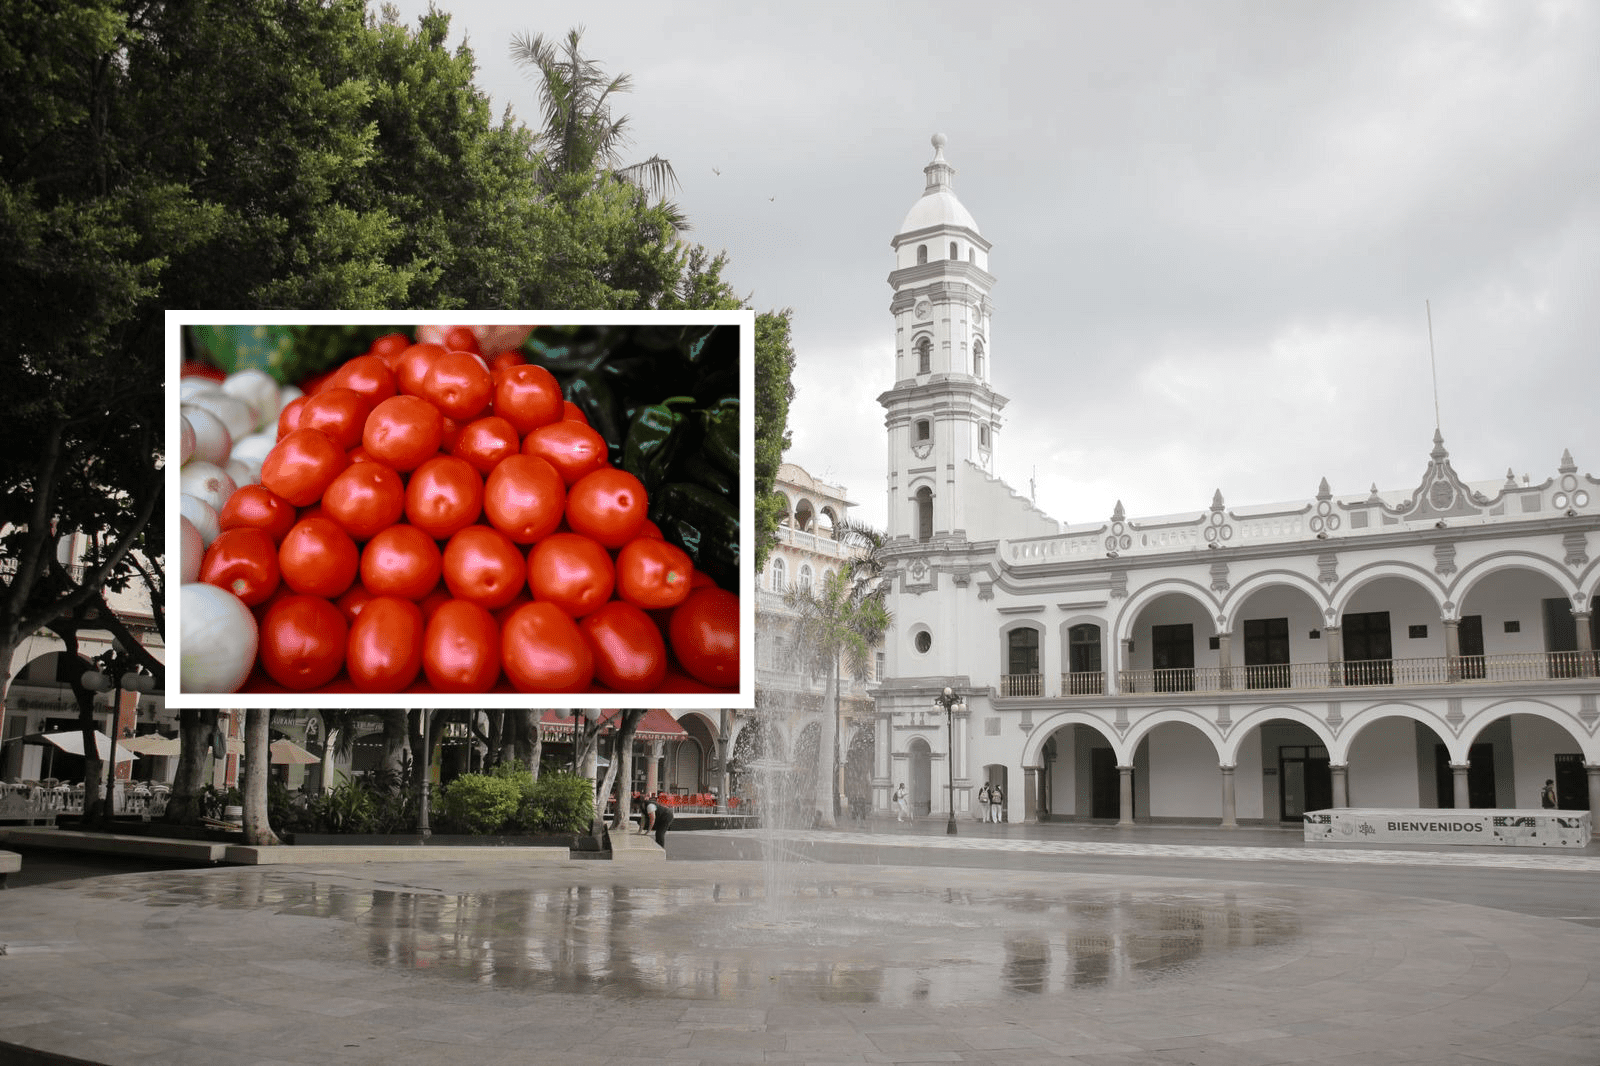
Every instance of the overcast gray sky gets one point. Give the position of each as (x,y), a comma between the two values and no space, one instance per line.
(1214,225)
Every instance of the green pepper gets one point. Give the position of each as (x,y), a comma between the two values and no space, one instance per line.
(653,438)
(702,523)
(722,436)
(695,468)
(592,395)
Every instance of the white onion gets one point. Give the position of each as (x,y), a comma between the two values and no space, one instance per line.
(244,471)
(194,385)
(212,441)
(254,448)
(259,390)
(186,437)
(218,640)
(204,517)
(236,414)
(194,551)
(208,481)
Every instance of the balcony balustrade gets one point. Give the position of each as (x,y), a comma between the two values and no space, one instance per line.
(1440,670)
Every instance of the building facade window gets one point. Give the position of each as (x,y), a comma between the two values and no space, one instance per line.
(924,513)
(983,436)
(924,429)
(924,356)
(955,253)
(922,254)
(977,359)
(805,578)
(1085,675)
(778,576)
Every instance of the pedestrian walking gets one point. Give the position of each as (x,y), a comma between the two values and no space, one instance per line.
(1547,796)
(657,818)
(902,811)
(997,806)
(983,802)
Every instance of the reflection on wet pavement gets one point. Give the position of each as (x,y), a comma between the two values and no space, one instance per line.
(832,942)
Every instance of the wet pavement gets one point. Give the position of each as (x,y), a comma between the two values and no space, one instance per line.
(739,961)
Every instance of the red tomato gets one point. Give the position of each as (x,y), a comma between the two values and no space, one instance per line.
(445,495)
(461,648)
(541,650)
(365,498)
(289,417)
(302,465)
(523,497)
(355,598)
(527,396)
(485,442)
(571,412)
(701,580)
(571,447)
(572,572)
(259,507)
(245,562)
(337,411)
(449,432)
(434,600)
(369,375)
(315,383)
(648,528)
(193,369)
(403,431)
(482,565)
(411,366)
(458,384)
(509,357)
(705,636)
(653,573)
(608,506)
(318,558)
(302,642)
(461,339)
(389,348)
(384,651)
(629,655)
(506,611)
(401,561)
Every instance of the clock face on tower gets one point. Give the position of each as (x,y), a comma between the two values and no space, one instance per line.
(923,308)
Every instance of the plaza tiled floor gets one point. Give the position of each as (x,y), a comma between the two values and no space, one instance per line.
(688,962)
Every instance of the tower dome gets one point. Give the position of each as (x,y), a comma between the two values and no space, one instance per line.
(938,205)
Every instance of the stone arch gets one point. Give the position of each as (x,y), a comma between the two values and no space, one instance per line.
(1239,731)
(1364,717)
(1039,735)
(1144,597)
(1237,596)
(805,515)
(922,345)
(1363,576)
(1174,716)
(1483,717)
(1499,562)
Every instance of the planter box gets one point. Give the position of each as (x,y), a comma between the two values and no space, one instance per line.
(571,841)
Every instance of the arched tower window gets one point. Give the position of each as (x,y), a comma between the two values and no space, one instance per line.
(924,513)
(972,256)
(922,254)
(804,517)
(955,253)
(983,436)
(977,358)
(778,575)
(924,356)
(924,429)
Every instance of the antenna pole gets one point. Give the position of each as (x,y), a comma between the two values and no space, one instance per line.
(1434,365)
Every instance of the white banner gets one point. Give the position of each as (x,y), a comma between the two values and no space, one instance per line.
(1506,828)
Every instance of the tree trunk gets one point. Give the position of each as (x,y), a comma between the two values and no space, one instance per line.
(526,747)
(196,726)
(827,786)
(396,737)
(627,725)
(257,768)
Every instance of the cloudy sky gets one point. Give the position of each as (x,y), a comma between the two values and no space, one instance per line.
(1217,227)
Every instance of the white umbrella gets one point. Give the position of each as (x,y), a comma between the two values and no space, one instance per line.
(71,742)
(153,744)
(287,751)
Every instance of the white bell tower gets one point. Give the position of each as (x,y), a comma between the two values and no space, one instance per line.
(941,413)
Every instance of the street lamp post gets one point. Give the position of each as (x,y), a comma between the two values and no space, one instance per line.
(950,701)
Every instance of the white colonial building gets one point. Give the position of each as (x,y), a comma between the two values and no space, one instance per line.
(1430,646)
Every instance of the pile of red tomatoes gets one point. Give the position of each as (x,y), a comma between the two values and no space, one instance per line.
(432,521)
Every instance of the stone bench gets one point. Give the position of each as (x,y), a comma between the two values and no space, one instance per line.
(1505,828)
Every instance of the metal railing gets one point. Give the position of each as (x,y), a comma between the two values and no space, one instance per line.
(1441,670)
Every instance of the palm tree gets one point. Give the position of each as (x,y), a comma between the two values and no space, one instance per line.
(840,623)
(580,135)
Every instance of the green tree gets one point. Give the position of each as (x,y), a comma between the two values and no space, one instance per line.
(836,625)
(774,393)
(581,138)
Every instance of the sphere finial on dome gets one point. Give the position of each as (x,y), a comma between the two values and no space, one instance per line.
(938,142)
